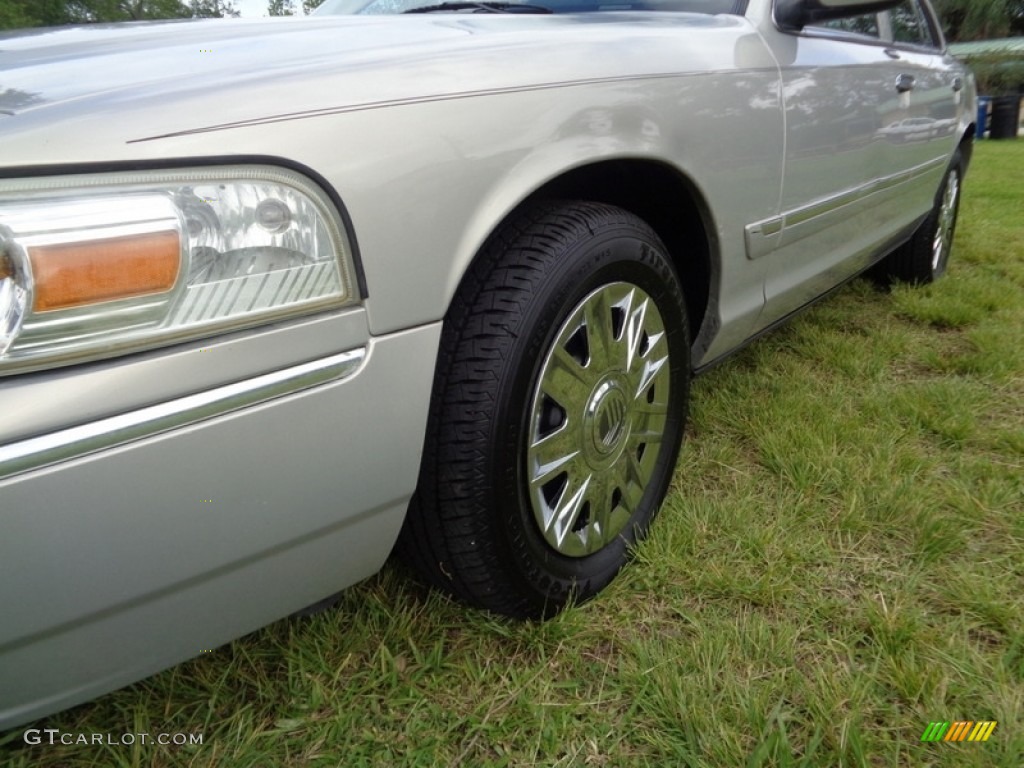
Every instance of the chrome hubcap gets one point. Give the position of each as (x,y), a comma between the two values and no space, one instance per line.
(599,411)
(947,221)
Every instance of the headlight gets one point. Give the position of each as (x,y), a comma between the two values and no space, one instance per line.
(92,266)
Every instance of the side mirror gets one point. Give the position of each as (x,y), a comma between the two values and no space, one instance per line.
(796,14)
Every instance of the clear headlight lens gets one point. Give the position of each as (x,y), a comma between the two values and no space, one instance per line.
(92,266)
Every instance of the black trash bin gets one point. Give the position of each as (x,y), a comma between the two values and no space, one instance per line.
(1005,117)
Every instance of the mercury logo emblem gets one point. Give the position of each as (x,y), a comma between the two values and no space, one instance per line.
(611,419)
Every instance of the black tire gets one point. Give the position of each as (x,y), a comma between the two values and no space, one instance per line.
(924,258)
(474,525)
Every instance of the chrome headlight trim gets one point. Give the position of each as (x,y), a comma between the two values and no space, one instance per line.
(293,261)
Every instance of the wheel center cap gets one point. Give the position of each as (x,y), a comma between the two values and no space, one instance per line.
(610,420)
(607,421)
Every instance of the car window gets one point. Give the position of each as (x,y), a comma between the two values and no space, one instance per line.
(906,24)
(865,25)
(910,26)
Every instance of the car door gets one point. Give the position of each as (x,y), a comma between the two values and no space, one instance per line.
(928,102)
(838,85)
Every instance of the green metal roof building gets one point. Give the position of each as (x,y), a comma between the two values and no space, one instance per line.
(1010,46)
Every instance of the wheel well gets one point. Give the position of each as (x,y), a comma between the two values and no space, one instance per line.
(967,145)
(667,201)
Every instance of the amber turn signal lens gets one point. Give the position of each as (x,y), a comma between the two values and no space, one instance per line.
(89,272)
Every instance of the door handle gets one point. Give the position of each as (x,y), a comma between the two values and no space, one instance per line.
(905,83)
(892,53)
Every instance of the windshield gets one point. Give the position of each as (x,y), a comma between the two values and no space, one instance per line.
(341,7)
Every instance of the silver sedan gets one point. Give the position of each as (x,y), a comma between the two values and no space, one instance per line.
(276,295)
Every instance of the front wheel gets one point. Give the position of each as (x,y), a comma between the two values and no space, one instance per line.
(557,412)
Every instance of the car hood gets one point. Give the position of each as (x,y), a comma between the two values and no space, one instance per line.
(199,75)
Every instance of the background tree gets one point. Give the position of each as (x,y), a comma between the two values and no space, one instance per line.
(125,10)
(287,7)
(981,19)
(213,9)
(281,7)
(15,14)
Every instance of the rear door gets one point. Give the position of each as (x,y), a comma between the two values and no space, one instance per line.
(927,101)
(870,117)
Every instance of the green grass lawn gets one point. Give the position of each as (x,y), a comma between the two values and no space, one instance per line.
(840,562)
